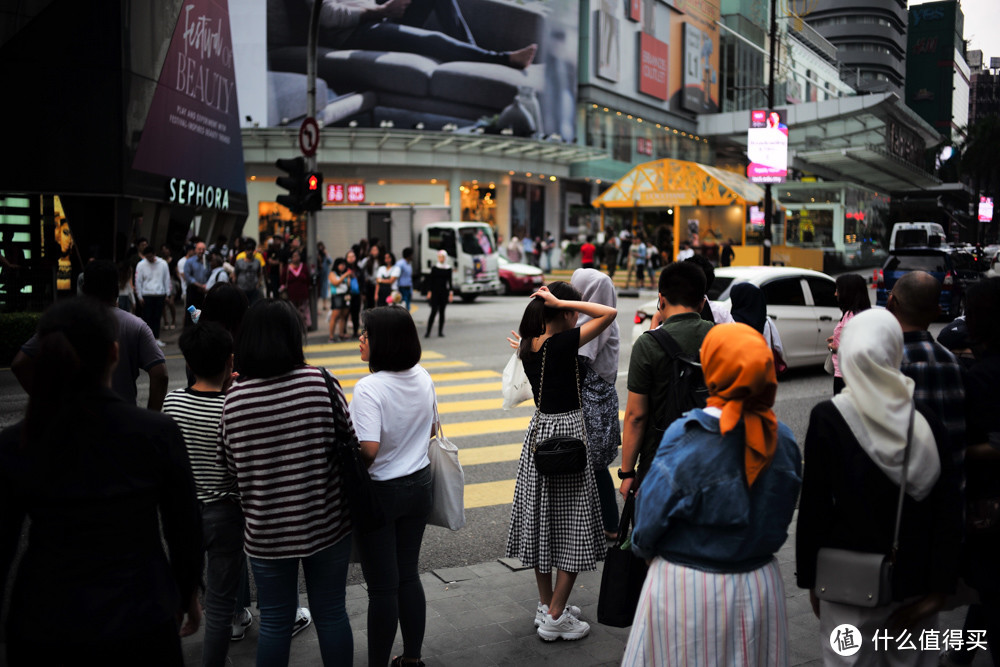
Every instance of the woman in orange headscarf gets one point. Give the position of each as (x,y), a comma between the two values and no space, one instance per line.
(712,511)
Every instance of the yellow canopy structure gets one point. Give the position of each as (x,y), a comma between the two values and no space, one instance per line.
(664,183)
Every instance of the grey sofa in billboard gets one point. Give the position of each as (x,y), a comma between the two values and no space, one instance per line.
(407,81)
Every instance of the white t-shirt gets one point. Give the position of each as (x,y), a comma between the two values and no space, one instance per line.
(395,409)
(389,272)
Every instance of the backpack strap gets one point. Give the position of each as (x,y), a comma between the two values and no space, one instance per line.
(667,342)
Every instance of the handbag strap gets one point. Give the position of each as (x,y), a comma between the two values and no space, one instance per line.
(343,430)
(902,485)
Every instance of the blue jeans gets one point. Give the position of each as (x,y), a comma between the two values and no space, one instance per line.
(407,293)
(389,558)
(278,599)
(222,530)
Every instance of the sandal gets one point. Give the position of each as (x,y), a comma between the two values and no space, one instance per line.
(399,662)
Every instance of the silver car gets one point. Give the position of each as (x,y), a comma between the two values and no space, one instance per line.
(801,302)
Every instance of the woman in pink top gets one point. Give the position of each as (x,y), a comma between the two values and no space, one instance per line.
(852,297)
(295,284)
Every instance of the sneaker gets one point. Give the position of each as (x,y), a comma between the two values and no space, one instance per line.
(544,609)
(303,619)
(566,627)
(160,343)
(241,622)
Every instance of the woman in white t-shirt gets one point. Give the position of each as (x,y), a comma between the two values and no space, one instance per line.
(393,411)
(387,278)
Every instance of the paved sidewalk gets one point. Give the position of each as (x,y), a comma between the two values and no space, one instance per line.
(484,615)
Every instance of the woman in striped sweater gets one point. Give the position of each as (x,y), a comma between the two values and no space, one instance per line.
(277,425)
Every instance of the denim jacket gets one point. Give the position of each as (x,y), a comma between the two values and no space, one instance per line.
(694,506)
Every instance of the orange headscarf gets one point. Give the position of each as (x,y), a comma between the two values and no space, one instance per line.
(739,372)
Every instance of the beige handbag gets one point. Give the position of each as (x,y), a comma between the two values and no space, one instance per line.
(856,577)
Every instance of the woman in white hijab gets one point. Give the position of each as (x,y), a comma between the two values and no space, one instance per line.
(598,374)
(854,463)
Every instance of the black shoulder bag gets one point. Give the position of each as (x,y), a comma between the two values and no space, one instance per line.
(366,512)
(561,454)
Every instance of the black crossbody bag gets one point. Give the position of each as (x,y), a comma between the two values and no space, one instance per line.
(561,454)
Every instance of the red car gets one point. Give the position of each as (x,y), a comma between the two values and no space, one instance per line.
(518,278)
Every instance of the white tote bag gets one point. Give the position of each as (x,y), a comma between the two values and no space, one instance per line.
(516,388)
(448,509)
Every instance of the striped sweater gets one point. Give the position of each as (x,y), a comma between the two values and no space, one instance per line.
(197,413)
(276,436)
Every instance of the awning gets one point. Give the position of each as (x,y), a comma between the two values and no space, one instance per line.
(664,183)
(870,164)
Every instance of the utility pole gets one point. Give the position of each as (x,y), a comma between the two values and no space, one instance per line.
(311,160)
(768,201)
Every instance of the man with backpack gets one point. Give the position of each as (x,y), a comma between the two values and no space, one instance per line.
(664,376)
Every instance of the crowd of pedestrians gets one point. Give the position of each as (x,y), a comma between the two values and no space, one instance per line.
(242,476)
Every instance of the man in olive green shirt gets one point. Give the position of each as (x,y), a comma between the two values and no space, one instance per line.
(679,303)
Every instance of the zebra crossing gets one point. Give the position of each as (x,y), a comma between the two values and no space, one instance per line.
(471,404)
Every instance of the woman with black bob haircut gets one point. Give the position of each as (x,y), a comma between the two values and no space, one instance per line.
(556,521)
(852,297)
(97,476)
(277,425)
(394,411)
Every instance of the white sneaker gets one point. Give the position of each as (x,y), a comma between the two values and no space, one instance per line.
(241,622)
(303,619)
(566,627)
(544,609)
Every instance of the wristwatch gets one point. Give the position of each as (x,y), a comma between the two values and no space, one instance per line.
(625,475)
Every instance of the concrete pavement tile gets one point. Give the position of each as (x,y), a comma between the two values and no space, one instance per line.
(521,628)
(567,654)
(508,612)
(464,641)
(489,569)
(488,598)
(468,619)
(514,564)
(356,591)
(515,652)
(357,606)
(436,625)
(474,656)
(583,596)
(604,651)
(452,605)
(439,591)
(450,574)
(521,591)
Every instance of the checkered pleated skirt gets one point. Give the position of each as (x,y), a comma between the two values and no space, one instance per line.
(556,520)
(690,617)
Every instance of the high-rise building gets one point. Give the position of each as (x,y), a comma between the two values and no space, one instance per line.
(937,76)
(984,87)
(870,38)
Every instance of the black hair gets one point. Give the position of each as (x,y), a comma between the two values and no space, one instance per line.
(852,294)
(75,338)
(337,262)
(270,342)
(100,280)
(249,244)
(682,284)
(705,265)
(407,253)
(392,257)
(227,305)
(206,347)
(148,250)
(393,342)
(537,315)
(982,313)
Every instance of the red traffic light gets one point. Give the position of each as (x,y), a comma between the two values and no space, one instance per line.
(313,183)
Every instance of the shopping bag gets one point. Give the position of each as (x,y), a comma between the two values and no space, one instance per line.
(516,388)
(623,576)
(448,509)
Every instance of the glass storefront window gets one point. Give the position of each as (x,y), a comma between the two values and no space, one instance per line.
(809,227)
(478,203)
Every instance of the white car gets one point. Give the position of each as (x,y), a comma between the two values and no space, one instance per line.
(800,301)
(516,278)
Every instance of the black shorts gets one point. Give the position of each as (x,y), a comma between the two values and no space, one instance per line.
(640,271)
(338,301)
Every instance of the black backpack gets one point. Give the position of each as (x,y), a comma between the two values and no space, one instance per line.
(687,389)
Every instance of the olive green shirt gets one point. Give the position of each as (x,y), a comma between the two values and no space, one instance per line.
(649,374)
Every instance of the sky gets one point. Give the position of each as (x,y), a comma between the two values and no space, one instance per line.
(982,25)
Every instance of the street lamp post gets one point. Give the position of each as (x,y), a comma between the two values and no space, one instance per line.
(772,62)
(311,159)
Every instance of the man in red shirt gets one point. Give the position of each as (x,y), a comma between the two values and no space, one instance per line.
(587,251)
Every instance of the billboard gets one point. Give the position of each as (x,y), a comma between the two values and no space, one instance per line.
(986,209)
(694,70)
(608,43)
(455,64)
(653,66)
(767,146)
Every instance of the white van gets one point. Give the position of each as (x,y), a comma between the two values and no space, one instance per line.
(471,251)
(916,235)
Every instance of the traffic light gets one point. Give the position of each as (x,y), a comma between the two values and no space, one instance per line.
(313,199)
(294,182)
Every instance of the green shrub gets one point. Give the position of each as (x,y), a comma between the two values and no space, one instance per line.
(15,328)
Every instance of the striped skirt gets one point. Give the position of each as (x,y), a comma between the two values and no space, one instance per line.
(691,617)
(555,521)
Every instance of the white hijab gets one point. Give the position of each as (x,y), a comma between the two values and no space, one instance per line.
(878,399)
(596,287)
(442,264)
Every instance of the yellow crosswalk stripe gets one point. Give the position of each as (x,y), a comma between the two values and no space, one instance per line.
(346,346)
(489,494)
(451,407)
(363,370)
(451,390)
(347,360)
(443,377)
(491,454)
(484,426)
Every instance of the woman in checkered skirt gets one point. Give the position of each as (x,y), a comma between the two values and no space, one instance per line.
(556,520)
